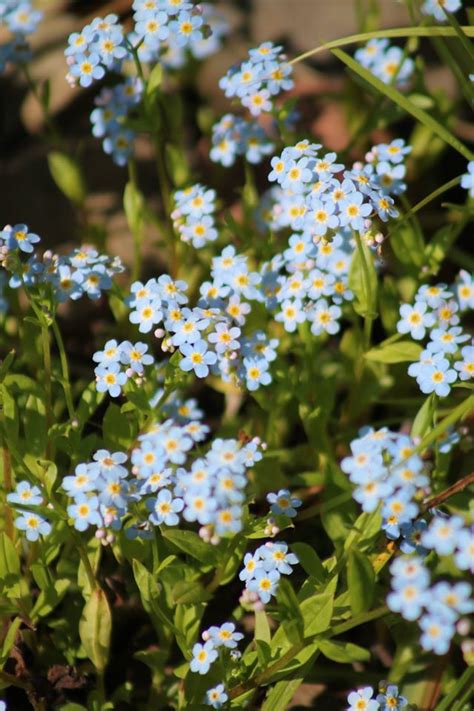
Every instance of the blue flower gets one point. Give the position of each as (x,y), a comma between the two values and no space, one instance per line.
(275,556)
(411,532)
(197,358)
(324,318)
(437,378)
(252,563)
(264,584)
(390,700)
(110,379)
(291,314)
(465,290)
(256,373)
(446,340)
(438,10)
(415,320)
(283,503)
(25,493)
(216,696)
(409,600)
(225,635)
(353,212)
(110,354)
(85,512)
(464,556)
(442,533)
(361,700)
(396,510)
(87,68)
(135,356)
(437,634)
(83,480)
(165,508)
(19,236)
(203,656)
(186,28)
(34,525)
(466,365)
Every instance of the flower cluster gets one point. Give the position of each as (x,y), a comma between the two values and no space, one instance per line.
(33,524)
(385,470)
(444,359)
(20,19)
(82,271)
(439,8)
(163,31)
(388,699)
(209,336)
(108,118)
(193,216)
(263,569)
(324,204)
(234,136)
(208,490)
(99,47)
(119,362)
(261,77)
(386,62)
(439,606)
(224,637)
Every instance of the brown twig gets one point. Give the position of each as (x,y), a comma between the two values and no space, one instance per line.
(450,491)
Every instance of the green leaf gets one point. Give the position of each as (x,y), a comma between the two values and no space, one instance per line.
(424,417)
(462,689)
(133,204)
(289,608)
(155,79)
(361,581)
(309,560)
(189,591)
(9,567)
(318,608)
(404,103)
(363,281)
(399,352)
(281,694)
(407,245)
(191,544)
(178,166)
(6,364)
(95,629)
(262,628)
(343,652)
(68,176)
(89,402)
(9,640)
(117,429)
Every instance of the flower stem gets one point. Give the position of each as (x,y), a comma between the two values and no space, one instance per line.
(65,370)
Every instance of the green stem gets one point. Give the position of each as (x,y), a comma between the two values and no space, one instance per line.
(366,284)
(461,35)
(136,226)
(65,370)
(429,198)
(47,382)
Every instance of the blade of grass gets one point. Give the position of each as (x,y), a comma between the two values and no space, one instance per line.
(380,34)
(404,103)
